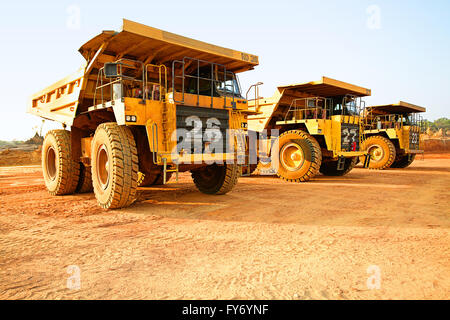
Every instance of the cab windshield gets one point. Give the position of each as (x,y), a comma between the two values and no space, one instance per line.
(347,106)
(230,86)
(223,84)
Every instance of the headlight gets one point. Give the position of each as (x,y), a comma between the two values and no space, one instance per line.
(130,118)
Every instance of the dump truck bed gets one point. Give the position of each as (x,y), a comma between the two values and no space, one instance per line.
(396,108)
(74,94)
(144,43)
(326,87)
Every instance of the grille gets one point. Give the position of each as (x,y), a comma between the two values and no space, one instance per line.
(349,137)
(199,127)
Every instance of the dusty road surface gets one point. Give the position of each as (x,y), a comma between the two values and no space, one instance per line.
(266,239)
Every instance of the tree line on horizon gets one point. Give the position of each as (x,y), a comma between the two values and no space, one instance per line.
(441,123)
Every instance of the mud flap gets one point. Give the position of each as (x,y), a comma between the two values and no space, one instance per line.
(366,161)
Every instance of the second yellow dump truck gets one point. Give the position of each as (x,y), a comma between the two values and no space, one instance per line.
(308,128)
(392,134)
(146,104)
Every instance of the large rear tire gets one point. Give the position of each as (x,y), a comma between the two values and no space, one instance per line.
(216,179)
(60,171)
(381,150)
(403,161)
(114,166)
(330,168)
(85,180)
(300,156)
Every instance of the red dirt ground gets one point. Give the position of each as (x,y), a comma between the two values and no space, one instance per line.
(267,239)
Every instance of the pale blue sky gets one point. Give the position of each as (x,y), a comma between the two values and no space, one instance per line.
(406,58)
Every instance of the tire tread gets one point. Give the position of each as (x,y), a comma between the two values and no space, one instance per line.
(69,169)
(125,166)
(316,156)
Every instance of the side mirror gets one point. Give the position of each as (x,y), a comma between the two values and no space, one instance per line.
(111,70)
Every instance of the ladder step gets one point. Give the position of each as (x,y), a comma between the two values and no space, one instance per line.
(341,164)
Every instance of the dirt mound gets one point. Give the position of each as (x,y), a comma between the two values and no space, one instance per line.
(26,155)
(37,139)
(440,145)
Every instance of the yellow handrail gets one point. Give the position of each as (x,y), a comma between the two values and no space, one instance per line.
(162,71)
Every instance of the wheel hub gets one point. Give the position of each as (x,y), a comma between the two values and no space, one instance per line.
(292,156)
(50,162)
(376,153)
(103,166)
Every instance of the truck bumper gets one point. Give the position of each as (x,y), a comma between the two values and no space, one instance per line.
(414,151)
(219,158)
(350,154)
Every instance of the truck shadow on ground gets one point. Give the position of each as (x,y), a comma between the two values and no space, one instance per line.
(357,199)
(431,169)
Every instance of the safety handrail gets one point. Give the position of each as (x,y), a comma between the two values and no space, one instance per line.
(303,111)
(389,121)
(162,77)
(119,79)
(155,142)
(256,86)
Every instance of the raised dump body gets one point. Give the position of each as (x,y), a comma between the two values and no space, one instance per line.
(171,101)
(392,134)
(317,125)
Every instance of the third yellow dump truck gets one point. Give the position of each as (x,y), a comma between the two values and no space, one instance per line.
(146,104)
(308,128)
(392,134)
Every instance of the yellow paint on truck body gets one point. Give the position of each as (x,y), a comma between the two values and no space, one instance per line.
(78,94)
(59,101)
(399,122)
(269,111)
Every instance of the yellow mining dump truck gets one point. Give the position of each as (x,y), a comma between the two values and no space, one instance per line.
(146,104)
(307,128)
(392,134)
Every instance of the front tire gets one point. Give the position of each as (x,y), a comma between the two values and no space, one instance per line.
(216,179)
(300,156)
(60,171)
(403,161)
(114,166)
(381,150)
(85,180)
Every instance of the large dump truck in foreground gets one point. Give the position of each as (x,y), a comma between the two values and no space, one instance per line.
(146,104)
(308,128)
(392,134)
